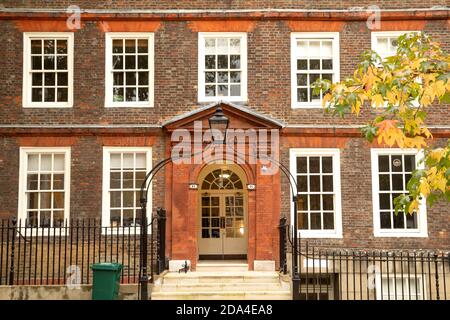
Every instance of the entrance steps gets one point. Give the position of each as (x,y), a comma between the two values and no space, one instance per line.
(222,283)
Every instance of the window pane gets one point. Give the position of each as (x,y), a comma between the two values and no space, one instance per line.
(302,164)
(142,62)
(410,163)
(384,182)
(62,95)
(328,202)
(58,200)
(130,62)
(115,199)
(314,64)
(61,47)
(397,182)
(327,164)
(210,91)
(36,46)
(45,219)
(327,183)
(118,95)
(411,221)
(235,45)
(114,218)
(302,64)
(385,220)
(302,95)
(115,160)
(328,220)
(314,201)
(117,46)
(33,200)
(49,62)
(302,220)
(314,164)
(383,163)
(128,180)
(302,79)
(46,200)
(222,90)
(314,183)
(45,182)
(49,46)
(118,78)
(315,221)
(49,95)
(143,78)
(32,182)
(46,162)
(130,94)
(61,63)
(302,202)
(58,182)
(327,64)
(142,45)
(235,61)
(36,95)
(143,94)
(49,79)
(33,162)
(117,62)
(235,90)
(302,183)
(399,220)
(385,201)
(222,77)
(130,46)
(210,77)
(128,161)
(62,79)
(36,63)
(128,217)
(222,62)
(130,78)
(36,79)
(210,62)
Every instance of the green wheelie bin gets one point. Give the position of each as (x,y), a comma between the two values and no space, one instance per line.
(106,281)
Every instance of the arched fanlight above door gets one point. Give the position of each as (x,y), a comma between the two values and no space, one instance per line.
(222,179)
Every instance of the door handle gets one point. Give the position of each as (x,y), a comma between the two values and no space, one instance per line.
(222,222)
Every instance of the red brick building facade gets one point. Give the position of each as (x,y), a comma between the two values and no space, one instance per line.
(90,133)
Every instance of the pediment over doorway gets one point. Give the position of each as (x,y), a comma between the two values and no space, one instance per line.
(240,118)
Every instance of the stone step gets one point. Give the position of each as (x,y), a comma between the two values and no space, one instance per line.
(229,295)
(218,267)
(220,277)
(221,287)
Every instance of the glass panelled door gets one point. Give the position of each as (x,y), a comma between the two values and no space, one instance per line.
(223,225)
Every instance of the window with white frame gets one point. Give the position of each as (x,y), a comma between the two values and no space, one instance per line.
(129,70)
(385,43)
(409,287)
(48,69)
(222,66)
(124,172)
(318,184)
(44,186)
(313,56)
(391,171)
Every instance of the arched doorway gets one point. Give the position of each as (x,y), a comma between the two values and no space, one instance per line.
(222,211)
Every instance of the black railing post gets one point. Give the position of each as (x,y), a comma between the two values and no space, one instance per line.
(13,242)
(283,230)
(143,281)
(295,275)
(436,275)
(161,256)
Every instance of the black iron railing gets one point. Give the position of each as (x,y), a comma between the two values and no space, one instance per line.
(341,274)
(63,254)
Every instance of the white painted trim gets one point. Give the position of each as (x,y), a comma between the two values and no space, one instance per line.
(335,153)
(26,81)
(105,185)
(421,231)
(109,36)
(23,164)
(336,64)
(201,66)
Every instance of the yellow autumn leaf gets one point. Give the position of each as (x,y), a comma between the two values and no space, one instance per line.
(378,101)
(424,187)
(413,207)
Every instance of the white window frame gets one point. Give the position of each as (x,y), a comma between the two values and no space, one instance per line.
(334,36)
(421,282)
(201,66)
(109,37)
(26,83)
(23,166)
(335,154)
(421,231)
(106,181)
